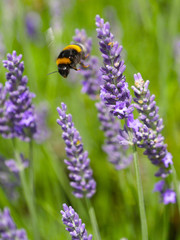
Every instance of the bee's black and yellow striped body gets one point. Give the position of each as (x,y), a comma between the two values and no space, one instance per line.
(69,58)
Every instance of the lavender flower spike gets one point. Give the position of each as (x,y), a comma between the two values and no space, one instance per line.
(117,153)
(150,137)
(18,110)
(8,230)
(114,90)
(78,163)
(74,224)
(92,77)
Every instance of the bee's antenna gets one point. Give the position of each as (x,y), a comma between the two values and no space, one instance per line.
(52,72)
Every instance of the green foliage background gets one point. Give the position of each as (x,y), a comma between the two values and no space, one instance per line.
(147,30)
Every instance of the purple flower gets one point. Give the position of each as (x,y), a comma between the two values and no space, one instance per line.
(149,136)
(117,153)
(17,167)
(9,180)
(74,224)
(33,24)
(114,90)
(18,108)
(158,187)
(169,196)
(92,77)
(78,163)
(42,133)
(8,230)
(134,124)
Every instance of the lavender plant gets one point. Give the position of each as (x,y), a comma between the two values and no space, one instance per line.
(150,137)
(18,120)
(78,164)
(114,90)
(18,107)
(74,224)
(8,229)
(91,86)
(115,93)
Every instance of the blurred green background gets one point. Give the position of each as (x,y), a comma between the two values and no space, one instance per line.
(148,31)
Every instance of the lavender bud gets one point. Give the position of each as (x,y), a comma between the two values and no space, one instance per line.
(80,172)
(150,138)
(74,224)
(114,90)
(8,230)
(18,108)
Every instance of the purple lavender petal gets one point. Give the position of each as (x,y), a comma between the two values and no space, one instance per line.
(169,196)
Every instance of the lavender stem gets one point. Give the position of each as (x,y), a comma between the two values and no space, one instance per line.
(31,168)
(175,180)
(93,219)
(165,222)
(28,195)
(144,229)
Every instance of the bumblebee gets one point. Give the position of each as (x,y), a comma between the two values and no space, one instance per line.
(69,58)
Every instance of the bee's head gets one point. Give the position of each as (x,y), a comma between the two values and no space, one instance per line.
(63,69)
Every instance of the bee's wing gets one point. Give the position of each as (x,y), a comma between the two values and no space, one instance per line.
(50,37)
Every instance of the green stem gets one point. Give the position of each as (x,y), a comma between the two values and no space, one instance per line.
(27,195)
(93,219)
(175,180)
(31,168)
(144,229)
(165,223)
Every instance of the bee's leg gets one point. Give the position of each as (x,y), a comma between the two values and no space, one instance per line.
(82,64)
(74,67)
(86,56)
(111,44)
